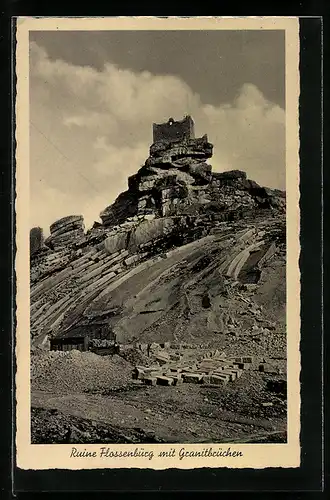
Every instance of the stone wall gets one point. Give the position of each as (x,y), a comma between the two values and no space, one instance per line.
(174,130)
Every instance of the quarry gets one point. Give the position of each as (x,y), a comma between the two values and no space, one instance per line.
(166,321)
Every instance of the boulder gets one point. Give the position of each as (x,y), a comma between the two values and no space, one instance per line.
(67,228)
(65,221)
(200,171)
(230,174)
(66,231)
(125,205)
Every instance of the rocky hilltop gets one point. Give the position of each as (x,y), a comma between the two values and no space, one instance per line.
(184,254)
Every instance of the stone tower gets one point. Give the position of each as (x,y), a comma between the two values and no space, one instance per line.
(174,130)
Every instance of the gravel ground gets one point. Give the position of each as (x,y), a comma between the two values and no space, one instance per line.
(53,426)
(76,372)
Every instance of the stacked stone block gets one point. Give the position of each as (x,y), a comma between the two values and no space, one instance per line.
(213,369)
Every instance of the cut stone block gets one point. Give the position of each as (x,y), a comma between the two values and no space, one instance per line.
(177,380)
(231,374)
(139,374)
(209,361)
(150,380)
(218,380)
(194,378)
(175,369)
(155,373)
(243,366)
(214,367)
(237,371)
(162,380)
(220,364)
(174,373)
(248,359)
(175,357)
(220,374)
(205,370)
(207,366)
(223,363)
(235,359)
(151,368)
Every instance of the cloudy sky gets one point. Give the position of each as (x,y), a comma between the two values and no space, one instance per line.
(95,95)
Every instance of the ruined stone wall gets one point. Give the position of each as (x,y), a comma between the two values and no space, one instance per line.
(174,130)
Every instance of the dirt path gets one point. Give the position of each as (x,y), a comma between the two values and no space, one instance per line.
(170,421)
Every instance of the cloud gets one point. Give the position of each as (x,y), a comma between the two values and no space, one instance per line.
(92,129)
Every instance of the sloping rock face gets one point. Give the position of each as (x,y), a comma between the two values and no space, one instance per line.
(183,254)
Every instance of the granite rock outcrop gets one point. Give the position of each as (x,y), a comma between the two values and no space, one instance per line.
(176,179)
(184,252)
(66,231)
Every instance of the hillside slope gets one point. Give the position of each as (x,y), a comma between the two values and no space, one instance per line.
(185,256)
(169,256)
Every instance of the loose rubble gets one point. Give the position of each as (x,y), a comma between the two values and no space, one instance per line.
(74,371)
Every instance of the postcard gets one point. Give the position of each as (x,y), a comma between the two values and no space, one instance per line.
(157,205)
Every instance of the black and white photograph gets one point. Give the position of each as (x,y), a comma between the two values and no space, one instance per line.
(158,240)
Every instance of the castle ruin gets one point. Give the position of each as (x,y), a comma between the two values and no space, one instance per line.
(174,130)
